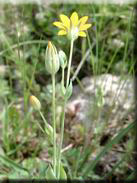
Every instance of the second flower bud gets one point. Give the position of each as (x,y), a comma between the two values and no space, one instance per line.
(51,59)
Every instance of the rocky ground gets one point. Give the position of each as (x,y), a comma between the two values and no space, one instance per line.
(106,98)
(104,107)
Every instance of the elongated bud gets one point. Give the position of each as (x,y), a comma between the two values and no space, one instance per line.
(63,90)
(69,90)
(49,132)
(51,59)
(35,103)
(62,59)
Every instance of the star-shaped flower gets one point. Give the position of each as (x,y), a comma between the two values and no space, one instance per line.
(72,27)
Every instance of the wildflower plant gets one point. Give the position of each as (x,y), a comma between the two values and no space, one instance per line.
(72,27)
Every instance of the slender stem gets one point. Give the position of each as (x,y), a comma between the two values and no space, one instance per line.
(42,116)
(62,130)
(54,122)
(62,135)
(69,64)
(80,65)
(40,126)
(62,76)
(63,108)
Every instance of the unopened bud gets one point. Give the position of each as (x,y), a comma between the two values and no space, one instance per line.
(62,59)
(35,103)
(51,59)
(63,89)
(69,91)
(49,132)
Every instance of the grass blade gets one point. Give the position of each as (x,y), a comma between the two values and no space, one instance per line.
(8,162)
(107,147)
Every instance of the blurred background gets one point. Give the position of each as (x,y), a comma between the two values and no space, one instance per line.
(99,135)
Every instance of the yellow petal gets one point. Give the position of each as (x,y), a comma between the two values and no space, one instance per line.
(59,24)
(74,19)
(84,27)
(82,34)
(62,32)
(65,20)
(83,20)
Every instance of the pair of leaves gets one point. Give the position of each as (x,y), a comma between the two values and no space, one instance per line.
(50,175)
(67,92)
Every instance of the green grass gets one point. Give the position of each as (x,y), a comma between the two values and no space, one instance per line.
(24,150)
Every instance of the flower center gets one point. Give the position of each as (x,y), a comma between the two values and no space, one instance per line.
(73,34)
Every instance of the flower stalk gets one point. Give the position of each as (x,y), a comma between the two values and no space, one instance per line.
(54,123)
(64,106)
(52,65)
(69,64)
(72,28)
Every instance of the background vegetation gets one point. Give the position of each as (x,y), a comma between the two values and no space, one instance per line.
(24,33)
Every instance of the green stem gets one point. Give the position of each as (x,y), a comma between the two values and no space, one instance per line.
(62,130)
(62,135)
(63,107)
(62,76)
(42,116)
(69,64)
(54,122)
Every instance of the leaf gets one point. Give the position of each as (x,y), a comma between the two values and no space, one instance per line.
(50,174)
(132,175)
(69,91)
(63,175)
(115,167)
(49,132)
(13,114)
(10,163)
(89,168)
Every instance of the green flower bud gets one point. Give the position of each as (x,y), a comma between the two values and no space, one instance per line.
(49,132)
(51,59)
(35,103)
(62,59)
(63,89)
(69,91)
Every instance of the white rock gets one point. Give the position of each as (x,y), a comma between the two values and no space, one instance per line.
(117,98)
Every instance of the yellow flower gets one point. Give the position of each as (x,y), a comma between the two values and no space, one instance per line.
(72,27)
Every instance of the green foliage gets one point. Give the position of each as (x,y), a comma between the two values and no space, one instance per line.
(50,174)
(24,150)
